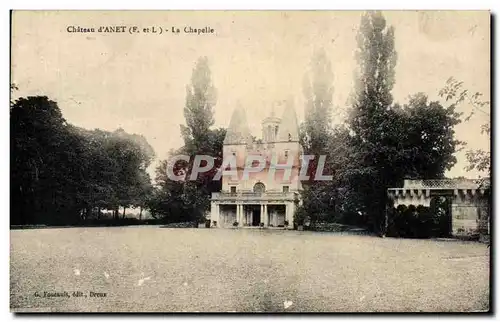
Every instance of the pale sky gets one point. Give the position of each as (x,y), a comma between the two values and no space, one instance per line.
(138,82)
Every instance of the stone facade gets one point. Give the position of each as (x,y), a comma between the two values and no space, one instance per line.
(266,197)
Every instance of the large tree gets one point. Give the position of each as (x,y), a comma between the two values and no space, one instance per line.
(390,142)
(376,58)
(423,143)
(198,112)
(40,150)
(315,133)
(188,200)
(200,139)
(370,126)
(318,94)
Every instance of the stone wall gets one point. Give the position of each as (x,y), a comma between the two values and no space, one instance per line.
(469,215)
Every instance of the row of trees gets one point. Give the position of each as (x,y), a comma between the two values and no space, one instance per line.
(63,174)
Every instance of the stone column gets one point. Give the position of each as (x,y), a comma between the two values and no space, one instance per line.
(238,213)
(289,213)
(215,214)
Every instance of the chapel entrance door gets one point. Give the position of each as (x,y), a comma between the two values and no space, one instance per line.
(256,216)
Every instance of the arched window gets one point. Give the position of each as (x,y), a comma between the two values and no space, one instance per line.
(259,187)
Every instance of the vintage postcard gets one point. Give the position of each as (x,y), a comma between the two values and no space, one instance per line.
(250,161)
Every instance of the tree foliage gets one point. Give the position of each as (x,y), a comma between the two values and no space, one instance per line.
(315,133)
(392,142)
(382,143)
(455,93)
(189,200)
(318,94)
(62,174)
(198,111)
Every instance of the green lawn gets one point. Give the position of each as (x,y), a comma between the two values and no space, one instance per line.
(157,269)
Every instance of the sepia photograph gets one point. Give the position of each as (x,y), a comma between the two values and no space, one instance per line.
(305,161)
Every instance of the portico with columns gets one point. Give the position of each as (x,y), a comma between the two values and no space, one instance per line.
(254,210)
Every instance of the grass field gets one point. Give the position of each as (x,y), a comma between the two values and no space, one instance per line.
(197,270)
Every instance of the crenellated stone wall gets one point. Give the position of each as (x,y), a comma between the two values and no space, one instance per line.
(469,201)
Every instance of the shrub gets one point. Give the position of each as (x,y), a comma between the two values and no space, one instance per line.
(299,216)
(235,224)
(414,222)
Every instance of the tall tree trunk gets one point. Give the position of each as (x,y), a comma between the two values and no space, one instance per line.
(140,213)
(123,215)
(98,213)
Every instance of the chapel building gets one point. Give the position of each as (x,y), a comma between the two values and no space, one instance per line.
(267,197)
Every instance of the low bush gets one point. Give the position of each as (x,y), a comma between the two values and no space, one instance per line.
(416,222)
